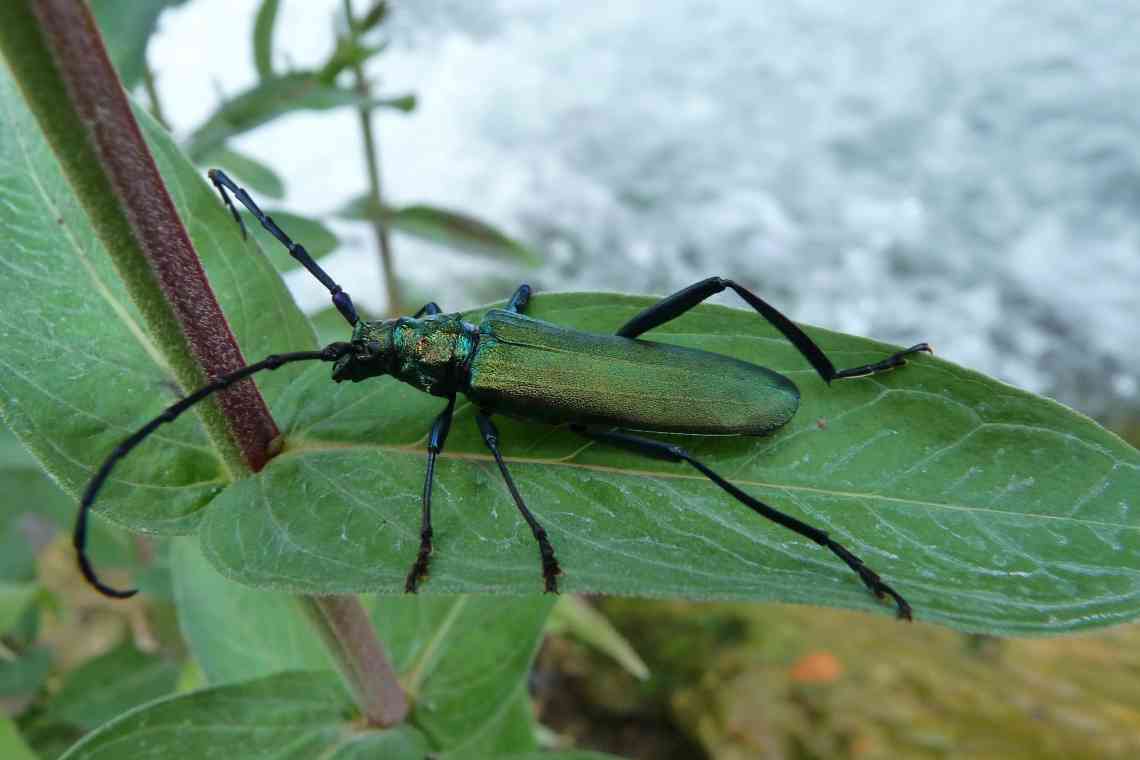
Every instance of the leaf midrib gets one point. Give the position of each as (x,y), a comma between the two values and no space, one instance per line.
(296,447)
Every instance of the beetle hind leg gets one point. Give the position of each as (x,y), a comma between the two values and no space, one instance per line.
(671,453)
(436,439)
(550,567)
(671,307)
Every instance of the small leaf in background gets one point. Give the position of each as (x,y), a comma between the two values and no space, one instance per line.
(452,229)
(317,238)
(108,686)
(248,171)
(14,599)
(350,52)
(284,716)
(263,37)
(127,32)
(22,677)
(575,617)
(265,101)
(12,745)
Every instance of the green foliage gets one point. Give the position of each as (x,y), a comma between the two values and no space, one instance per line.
(451,229)
(126,34)
(263,37)
(288,715)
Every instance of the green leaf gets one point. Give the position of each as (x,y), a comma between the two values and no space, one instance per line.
(289,715)
(24,676)
(127,34)
(318,239)
(443,227)
(14,599)
(80,371)
(235,632)
(989,508)
(572,754)
(263,38)
(256,176)
(265,101)
(462,658)
(110,685)
(12,745)
(575,617)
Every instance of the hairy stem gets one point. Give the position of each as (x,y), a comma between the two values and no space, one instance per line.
(55,51)
(347,632)
(375,189)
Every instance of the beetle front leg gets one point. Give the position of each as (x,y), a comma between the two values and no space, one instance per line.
(436,439)
(550,568)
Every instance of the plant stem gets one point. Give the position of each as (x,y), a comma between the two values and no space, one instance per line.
(54,49)
(375,190)
(351,640)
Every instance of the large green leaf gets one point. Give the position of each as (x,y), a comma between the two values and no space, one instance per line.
(109,685)
(464,660)
(289,715)
(80,369)
(12,745)
(236,632)
(989,508)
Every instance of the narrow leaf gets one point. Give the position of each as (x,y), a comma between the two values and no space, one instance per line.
(443,227)
(265,101)
(289,715)
(263,27)
(988,508)
(575,617)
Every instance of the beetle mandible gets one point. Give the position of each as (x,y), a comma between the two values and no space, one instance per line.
(601,386)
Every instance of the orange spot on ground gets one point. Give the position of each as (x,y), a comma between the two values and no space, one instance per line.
(817,667)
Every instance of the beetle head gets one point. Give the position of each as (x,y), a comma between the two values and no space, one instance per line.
(373,351)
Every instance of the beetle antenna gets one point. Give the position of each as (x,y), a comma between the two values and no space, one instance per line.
(340,299)
(329,353)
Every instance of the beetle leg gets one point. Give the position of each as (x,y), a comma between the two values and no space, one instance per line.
(520,299)
(428,309)
(550,568)
(436,439)
(673,306)
(672,453)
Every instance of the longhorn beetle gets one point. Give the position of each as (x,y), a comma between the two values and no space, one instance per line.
(601,386)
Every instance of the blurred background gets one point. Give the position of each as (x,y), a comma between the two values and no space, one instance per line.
(962,173)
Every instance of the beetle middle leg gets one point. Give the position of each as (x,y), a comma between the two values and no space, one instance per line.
(436,439)
(672,453)
(429,309)
(550,568)
(671,307)
(520,299)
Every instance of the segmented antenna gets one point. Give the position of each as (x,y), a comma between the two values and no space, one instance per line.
(329,353)
(340,299)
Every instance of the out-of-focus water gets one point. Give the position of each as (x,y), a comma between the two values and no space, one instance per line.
(964,173)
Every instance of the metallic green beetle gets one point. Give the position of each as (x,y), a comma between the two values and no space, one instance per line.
(601,386)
